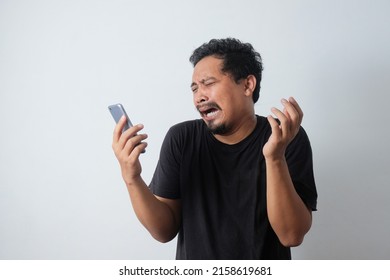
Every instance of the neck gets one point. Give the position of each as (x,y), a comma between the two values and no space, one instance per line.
(243,129)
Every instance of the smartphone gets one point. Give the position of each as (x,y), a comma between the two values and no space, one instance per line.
(117,111)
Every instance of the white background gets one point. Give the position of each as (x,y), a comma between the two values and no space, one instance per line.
(63,62)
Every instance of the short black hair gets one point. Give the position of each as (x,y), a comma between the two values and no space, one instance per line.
(239,59)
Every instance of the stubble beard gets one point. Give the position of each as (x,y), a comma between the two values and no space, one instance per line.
(220,129)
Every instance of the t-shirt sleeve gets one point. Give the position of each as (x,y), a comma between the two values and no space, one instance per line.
(166,178)
(300,162)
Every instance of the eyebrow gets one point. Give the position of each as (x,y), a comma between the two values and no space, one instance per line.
(203,81)
(193,84)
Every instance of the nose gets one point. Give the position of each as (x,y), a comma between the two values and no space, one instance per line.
(200,96)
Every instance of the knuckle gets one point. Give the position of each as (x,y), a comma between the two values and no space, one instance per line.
(133,142)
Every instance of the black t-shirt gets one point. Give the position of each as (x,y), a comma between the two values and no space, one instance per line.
(223,191)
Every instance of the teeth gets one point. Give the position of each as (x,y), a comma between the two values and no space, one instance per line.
(211,114)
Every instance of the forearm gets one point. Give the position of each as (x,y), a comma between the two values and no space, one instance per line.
(161,217)
(156,216)
(288,215)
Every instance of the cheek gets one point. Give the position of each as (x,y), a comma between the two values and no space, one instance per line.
(195,98)
(231,103)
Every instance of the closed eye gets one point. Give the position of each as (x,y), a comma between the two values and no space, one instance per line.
(205,82)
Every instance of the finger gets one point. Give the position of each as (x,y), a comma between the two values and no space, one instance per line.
(133,142)
(275,127)
(297,107)
(291,112)
(138,150)
(284,121)
(279,114)
(118,129)
(296,115)
(128,134)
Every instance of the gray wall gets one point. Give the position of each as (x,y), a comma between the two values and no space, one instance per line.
(63,62)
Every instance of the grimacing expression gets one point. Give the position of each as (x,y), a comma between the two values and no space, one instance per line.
(217,97)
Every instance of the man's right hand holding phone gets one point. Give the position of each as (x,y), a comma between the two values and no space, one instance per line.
(159,215)
(127,147)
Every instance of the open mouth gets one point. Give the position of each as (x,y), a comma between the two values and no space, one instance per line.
(209,111)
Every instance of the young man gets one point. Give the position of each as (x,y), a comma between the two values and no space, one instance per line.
(234,185)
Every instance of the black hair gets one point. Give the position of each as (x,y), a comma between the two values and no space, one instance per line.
(239,59)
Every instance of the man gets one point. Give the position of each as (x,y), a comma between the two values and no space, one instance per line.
(234,185)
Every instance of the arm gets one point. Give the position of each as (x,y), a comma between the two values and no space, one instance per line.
(160,216)
(289,217)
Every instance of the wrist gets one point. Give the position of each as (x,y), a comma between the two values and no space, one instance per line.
(275,160)
(133,181)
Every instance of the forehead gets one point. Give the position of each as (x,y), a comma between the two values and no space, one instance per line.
(207,67)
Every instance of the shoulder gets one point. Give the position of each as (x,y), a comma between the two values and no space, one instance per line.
(180,138)
(300,146)
(182,133)
(301,137)
(186,127)
(264,126)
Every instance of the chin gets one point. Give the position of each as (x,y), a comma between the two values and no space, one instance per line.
(218,129)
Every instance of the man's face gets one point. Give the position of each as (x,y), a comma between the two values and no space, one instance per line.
(219,99)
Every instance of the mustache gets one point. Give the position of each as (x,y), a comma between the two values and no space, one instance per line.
(207,105)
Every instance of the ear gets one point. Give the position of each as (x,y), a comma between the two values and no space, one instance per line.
(250,84)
